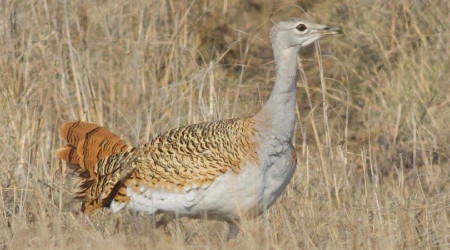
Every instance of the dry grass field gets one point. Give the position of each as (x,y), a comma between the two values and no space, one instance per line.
(372,137)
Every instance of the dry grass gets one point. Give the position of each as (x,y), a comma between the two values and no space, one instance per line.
(373,116)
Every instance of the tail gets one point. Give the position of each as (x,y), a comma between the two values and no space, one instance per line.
(87,144)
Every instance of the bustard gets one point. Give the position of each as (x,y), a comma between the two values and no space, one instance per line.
(221,168)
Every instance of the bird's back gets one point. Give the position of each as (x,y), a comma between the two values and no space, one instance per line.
(196,154)
(175,161)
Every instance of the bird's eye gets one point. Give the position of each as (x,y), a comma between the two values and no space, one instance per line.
(301,27)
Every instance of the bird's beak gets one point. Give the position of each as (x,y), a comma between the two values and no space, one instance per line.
(329,31)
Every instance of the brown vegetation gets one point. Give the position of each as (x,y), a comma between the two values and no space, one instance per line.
(373,116)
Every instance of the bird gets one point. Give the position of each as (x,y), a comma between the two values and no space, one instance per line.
(222,169)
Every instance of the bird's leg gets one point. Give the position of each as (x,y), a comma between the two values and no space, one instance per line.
(233,229)
(165,219)
(267,226)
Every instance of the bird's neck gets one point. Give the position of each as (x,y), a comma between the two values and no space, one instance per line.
(279,111)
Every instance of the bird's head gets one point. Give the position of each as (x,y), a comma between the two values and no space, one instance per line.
(298,33)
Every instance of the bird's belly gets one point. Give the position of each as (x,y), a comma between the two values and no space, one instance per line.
(234,194)
(229,195)
(254,188)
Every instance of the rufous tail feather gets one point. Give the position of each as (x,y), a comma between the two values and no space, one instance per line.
(87,144)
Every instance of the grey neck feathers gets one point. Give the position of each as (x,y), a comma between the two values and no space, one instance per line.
(279,111)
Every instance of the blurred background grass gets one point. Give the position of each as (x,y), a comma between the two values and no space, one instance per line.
(373,113)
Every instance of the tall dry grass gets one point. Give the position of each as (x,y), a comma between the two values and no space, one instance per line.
(373,116)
